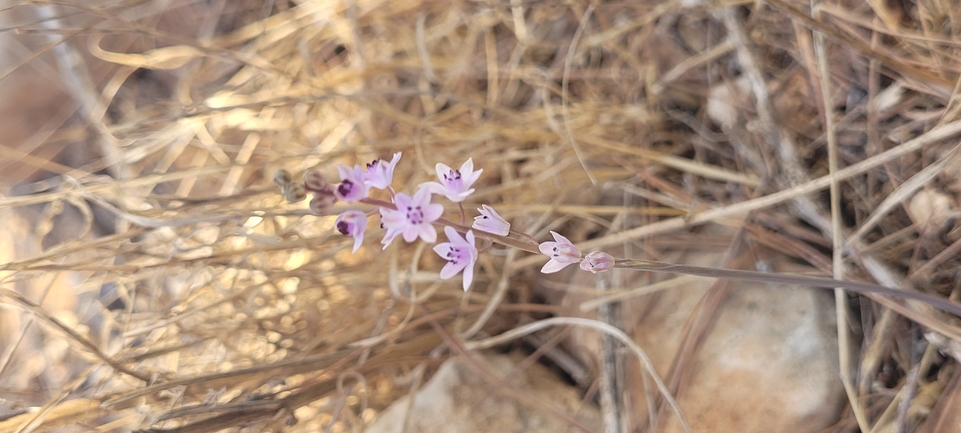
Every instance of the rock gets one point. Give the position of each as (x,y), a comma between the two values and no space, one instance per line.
(458,399)
(766,361)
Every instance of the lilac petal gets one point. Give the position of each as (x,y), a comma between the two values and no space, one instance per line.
(421,197)
(392,219)
(451,269)
(432,212)
(428,233)
(442,248)
(389,237)
(547,248)
(553,266)
(469,272)
(433,187)
(441,170)
(410,232)
(561,239)
(468,175)
(344,171)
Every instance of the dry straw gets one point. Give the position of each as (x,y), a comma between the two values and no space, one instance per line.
(159,281)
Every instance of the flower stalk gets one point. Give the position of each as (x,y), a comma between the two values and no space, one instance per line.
(415,217)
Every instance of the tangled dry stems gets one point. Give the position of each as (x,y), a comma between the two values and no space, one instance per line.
(209,303)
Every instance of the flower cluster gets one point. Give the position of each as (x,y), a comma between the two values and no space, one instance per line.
(414,217)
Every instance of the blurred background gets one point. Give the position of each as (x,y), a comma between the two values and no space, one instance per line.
(154,278)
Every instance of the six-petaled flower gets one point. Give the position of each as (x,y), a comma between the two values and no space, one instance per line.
(413,218)
(454,184)
(562,253)
(352,223)
(352,184)
(460,253)
(380,173)
(491,222)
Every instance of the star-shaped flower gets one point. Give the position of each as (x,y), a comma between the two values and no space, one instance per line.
(380,173)
(454,184)
(413,217)
(352,184)
(562,253)
(491,222)
(352,223)
(460,253)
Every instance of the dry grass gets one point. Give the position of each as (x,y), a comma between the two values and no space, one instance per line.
(166,285)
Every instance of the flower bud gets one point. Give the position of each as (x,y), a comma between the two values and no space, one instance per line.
(294,192)
(313,180)
(281,177)
(491,222)
(597,261)
(322,204)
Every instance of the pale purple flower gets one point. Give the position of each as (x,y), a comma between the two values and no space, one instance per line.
(562,253)
(352,223)
(413,218)
(352,186)
(491,222)
(460,253)
(597,261)
(454,184)
(380,173)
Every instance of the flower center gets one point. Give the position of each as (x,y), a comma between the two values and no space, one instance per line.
(343,228)
(345,187)
(415,215)
(372,164)
(564,251)
(457,255)
(452,175)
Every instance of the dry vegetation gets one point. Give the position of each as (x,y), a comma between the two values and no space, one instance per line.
(155,278)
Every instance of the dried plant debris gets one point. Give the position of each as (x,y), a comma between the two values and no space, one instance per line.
(206,223)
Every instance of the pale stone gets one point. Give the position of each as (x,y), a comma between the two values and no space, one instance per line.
(458,399)
(767,362)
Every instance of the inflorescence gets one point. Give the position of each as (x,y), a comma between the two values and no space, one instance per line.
(413,217)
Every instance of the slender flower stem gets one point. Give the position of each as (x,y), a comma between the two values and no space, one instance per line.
(655,266)
(827,283)
(486,247)
(463,215)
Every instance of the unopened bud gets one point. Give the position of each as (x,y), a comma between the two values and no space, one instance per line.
(281,177)
(313,180)
(295,192)
(322,204)
(597,261)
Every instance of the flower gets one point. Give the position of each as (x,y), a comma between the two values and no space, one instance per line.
(413,217)
(460,255)
(454,184)
(597,261)
(562,253)
(491,222)
(352,186)
(380,173)
(352,223)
